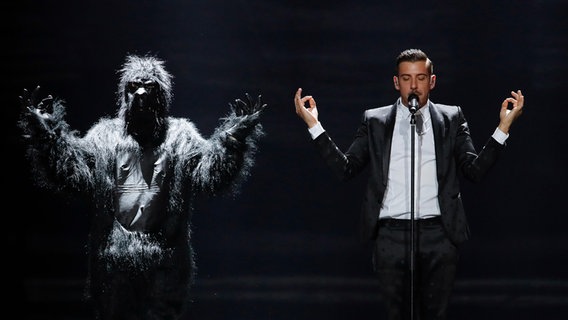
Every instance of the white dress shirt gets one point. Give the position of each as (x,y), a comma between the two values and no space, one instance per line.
(396,202)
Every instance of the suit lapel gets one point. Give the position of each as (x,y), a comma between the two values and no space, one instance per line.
(389,128)
(438,130)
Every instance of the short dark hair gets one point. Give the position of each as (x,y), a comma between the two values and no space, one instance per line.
(413,55)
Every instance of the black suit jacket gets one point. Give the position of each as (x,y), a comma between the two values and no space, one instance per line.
(455,153)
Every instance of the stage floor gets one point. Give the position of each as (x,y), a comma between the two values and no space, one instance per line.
(298,298)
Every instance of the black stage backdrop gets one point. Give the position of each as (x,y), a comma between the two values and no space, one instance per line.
(291,234)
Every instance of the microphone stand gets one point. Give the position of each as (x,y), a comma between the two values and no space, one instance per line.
(412,218)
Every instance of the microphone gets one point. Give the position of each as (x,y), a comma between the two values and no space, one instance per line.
(413,103)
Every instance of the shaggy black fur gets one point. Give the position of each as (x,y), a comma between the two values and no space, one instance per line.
(142,169)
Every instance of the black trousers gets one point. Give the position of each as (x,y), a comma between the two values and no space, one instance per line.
(436,258)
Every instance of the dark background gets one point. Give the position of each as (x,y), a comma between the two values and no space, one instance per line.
(287,246)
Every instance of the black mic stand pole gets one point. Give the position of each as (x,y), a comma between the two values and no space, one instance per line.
(412,218)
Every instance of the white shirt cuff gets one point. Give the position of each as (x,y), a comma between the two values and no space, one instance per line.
(316,130)
(500,136)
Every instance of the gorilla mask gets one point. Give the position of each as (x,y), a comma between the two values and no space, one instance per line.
(144,96)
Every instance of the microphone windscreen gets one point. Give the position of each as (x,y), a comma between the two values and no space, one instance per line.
(413,99)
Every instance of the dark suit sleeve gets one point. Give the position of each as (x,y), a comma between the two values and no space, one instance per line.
(345,165)
(473,165)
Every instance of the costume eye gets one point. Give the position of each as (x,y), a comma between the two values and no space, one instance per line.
(149,85)
(134,85)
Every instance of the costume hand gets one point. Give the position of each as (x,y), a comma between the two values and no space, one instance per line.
(39,114)
(250,111)
(309,114)
(508,116)
(250,107)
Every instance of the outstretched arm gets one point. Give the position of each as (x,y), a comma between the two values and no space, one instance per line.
(344,165)
(475,167)
(58,157)
(227,157)
(37,115)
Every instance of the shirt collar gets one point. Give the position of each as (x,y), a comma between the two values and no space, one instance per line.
(403,110)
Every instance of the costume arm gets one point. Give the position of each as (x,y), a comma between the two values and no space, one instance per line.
(227,157)
(58,156)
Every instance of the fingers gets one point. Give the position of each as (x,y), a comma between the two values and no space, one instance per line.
(307,113)
(25,97)
(505,104)
(300,101)
(236,107)
(30,100)
(253,105)
(505,107)
(312,102)
(35,93)
(298,93)
(518,101)
(26,101)
(46,104)
(518,95)
(259,106)
(242,108)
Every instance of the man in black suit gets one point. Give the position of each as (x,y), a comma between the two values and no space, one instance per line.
(416,275)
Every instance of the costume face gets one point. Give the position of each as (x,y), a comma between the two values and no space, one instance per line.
(414,77)
(145,94)
(142,94)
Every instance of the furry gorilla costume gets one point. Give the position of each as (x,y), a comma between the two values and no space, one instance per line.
(142,170)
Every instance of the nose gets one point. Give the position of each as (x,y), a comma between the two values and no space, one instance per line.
(413,83)
(140,91)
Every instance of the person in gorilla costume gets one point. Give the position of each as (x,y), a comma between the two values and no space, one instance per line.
(143,170)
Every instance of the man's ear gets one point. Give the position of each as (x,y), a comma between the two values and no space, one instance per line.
(432,81)
(395,81)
